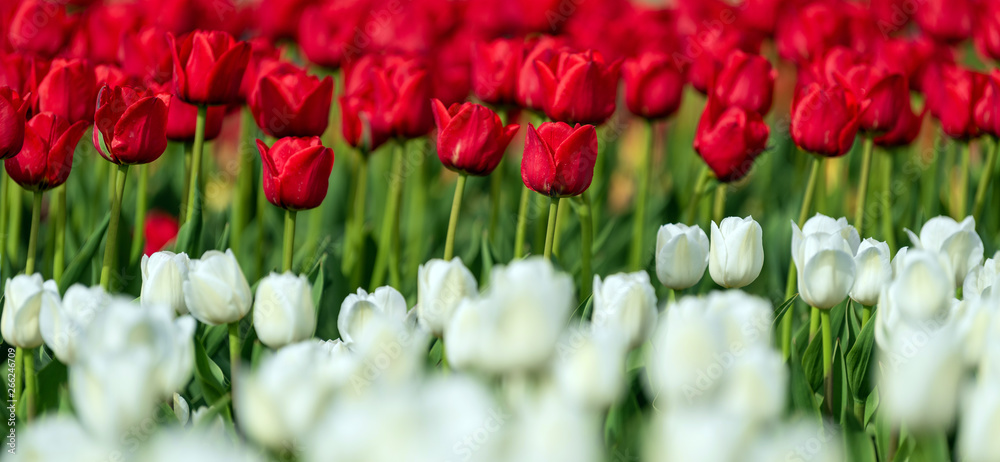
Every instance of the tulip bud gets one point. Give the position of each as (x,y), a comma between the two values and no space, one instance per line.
(729,139)
(208,67)
(163,277)
(283,310)
(581,88)
(681,255)
(653,85)
(495,68)
(25,297)
(590,366)
(366,125)
(358,309)
(471,138)
(62,325)
(825,263)
(161,229)
(747,81)
(441,286)
(216,292)
(874,271)
(327,32)
(805,33)
(736,255)
(296,172)
(825,120)
(957,242)
(286,101)
(12,119)
(559,159)
(625,305)
(840,226)
(47,154)
(130,126)
(904,129)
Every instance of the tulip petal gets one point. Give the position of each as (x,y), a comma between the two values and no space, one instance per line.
(827,278)
(141,133)
(227,74)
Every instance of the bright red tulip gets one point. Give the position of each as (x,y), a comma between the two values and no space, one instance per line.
(471,138)
(495,69)
(530,93)
(904,131)
(365,125)
(705,53)
(761,15)
(825,120)
(161,229)
(384,97)
(145,54)
(23,73)
(111,75)
(130,126)
(287,101)
(208,67)
(946,21)
(559,159)
(327,31)
(987,33)
(954,98)
(988,107)
(886,96)
(746,81)
(41,27)
(69,90)
(806,32)
(296,172)
(263,55)
(12,119)
(653,85)
(729,138)
(581,88)
(47,155)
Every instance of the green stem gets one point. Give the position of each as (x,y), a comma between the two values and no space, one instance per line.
(244,181)
(18,373)
(551,229)
(786,321)
(583,210)
(496,192)
(416,214)
(14,223)
(866,315)
(827,342)
(719,206)
(59,257)
(560,228)
(29,383)
(234,357)
(984,180)
(141,204)
(195,194)
(4,206)
(961,206)
(188,147)
(262,209)
(671,296)
(522,222)
(699,189)
(888,230)
(814,315)
(288,249)
(358,222)
(641,197)
(866,166)
(36,218)
(112,235)
(389,218)
(456,207)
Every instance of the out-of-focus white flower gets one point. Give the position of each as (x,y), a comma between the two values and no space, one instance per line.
(873,271)
(925,369)
(681,255)
(358,310)
(182,410)
(24,298)
(981,279)
(626,304)
(958,242)
(737,252)
(516,324)
(973,319)
(163,277)
(63,324)
(589,367)
(804,440)
(756,387)
(283,310)
(825,264)
(820,223)
(980,421)
(549,427)
(216,292)
(898,259)
(697,433)
(441,285)
(60,438)
(175,445)
(918,299)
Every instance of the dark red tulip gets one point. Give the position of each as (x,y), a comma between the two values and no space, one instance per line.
(988,107)
(471,138)
(581,88)
(69,90)
(145,54)
(495,69)
(806,32)
(746,81)
(729,138)
(904,131)
(263,55)
(987,33)
(208,67)
(161,229)
(327,31)
(402,90)
(41,27)
(47,155)
(12,119)
(703,54)
(23,73)
(953,100)
(653,85)
(288,101)
(761,15)
(886,96)
(825,120)
(559,159)
(530,93)
(296,172)
(365,125)
(946,21)
(130,126)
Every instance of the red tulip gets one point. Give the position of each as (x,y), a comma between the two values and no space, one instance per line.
(805,33)
(825,120)
(279,19)
(761,15)
(729,138)
(130,126)
(327,31)
(98,37)
(402,90)
(530,93)
(953,100)
(495,69)
(904,131)
(47,155)
(471,138)
(886,96)
(581,88)
(746,81)
(145,54)
(296,172)
(559,159)
(365,126)
(289,102)
(208,67)
(41,27)
(263,54)
(23,73)
(161,229)
(947,21)
(111,75)
(987,33)
(451,81)
(69,90)
(12,119)
(653,85)
(988,107)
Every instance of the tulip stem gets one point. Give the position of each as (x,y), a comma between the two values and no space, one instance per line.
(389,218)
(522,223)
(288,249)
(112,235)
(194,192)
(18,371)
(4,206)
(888,230)
(29,383)
(496,191)
(583,210)
(866,166)
(866,315)
(358,222)
(641,197)
(36,218)
(187,182)
(456,207)
(141,202)
(984,180)
(59,210)
(961,207)
(550,231)
(234,358)
(719,207)
(699,189)
(827,342)
(13,243)
(786,320)
(244,181)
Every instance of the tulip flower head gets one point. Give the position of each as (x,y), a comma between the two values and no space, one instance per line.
(62,325)
(736,255)
(130,126)
(47,154)
(385,97)
(957,242)
(69,90)
(625,307)
(981,281)
(45,36)
(884,96)
(653,85)
(592,370)
(163,277)
(955,102)
(825,119)
(208,67)
(283,310)
(681,255)
(559,159)
(471,138)
(25,296)
(580,88)
(823,251)
(161,229)
(287,101)
(988,107)
(729,139)
(530,92)
(495,68)
(296,172)
(357,310)
(746,81)
(948,22)
(216,292)
(874,271)
(13,110)
(441,286)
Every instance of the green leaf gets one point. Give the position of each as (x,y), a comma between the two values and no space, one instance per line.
(318,282)
(932,447)
(223,243)
(871,405)
(208,374)
(857,444)
(212,338)
(82,260)
(858,360)
(189,236)
(812,363)
(840,399)
(487,255)
(51,378)
(802,394)
(779,313)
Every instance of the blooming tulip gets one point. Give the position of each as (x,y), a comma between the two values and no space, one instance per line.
(559,159)
(987,32)
(716,46)
(987,110)
(957,242)
(384,97)
(495,68)
(954,101)
(625,306)
(216,292)
(746,81)
(47,154)
(530,92)
(40,27)
(208,67)
(592,367)
(471,138)
(873,271)
(736,255)
(948,22)
(580,88)
(62,325)
(653,85)
(825,263)
(25,296)
(825,120)
(729,139)
(130,126)
(296,172)
(163,277)
(287,101)
(283,310)
(12,119)
(441,286)
(681,255)
(357,310)
(69,90)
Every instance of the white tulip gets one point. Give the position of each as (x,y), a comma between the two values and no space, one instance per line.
(441,285)
(980,421)
(358,310)
(697,434)
(625,303)
(756,387)
(825,264)
(737,252)
(590,367)
(925,369)
(60,438)
(163,277)
(174,445)
(980,281)
(873,271)
(820,223)
(283,310)
(216,292)
(958,242)
(549,427)
(63,324)
(112,394)
(898,259)
(921,292)
(681,255)
(25,297)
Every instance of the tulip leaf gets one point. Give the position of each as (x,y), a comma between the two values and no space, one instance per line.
(208,374)
(812,363)
(223,243)
(858,444)
(212,338)
(51,378)
(82,260)
(858,360)
(871,405)
(840,399)
(802,394)
(189,236)
(780,312)
(318,281)
(487,254)
(930,447)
